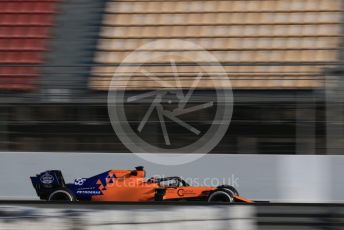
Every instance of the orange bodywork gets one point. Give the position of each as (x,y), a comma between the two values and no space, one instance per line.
(122,185)
(242,199)
(185,192)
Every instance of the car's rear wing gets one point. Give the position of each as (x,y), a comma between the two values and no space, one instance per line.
(45,182)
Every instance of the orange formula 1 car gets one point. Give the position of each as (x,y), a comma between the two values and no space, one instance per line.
(128,185)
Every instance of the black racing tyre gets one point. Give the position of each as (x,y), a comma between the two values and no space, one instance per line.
(221,195)
(61,194)
(230,188)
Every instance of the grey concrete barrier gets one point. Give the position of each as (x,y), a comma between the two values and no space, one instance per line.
(290,178)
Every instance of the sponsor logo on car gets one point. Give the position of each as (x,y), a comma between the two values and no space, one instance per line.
(79,181)
(183,192)
(86,188)
(89,192)
(46,178)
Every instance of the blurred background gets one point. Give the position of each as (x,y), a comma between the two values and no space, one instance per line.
(284,60)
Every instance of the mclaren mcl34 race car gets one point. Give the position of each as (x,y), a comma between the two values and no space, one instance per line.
(128,186)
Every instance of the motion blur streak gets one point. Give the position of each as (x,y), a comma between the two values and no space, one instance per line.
(86,216)
(234,218)
(284,60)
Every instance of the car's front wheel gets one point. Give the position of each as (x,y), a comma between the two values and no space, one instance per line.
(230,188)
(221,195)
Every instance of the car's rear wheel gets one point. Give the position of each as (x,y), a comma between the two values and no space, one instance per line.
(221,195)
(61,195)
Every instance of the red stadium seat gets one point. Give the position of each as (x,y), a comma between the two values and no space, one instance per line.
(18,71)
(27,7)
(24,34)
(23,44)
(26,19)
(10,32)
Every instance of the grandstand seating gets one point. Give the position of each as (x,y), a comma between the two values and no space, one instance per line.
(266,44)
(24,32)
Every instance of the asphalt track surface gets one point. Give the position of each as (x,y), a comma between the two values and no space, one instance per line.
(266,215)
